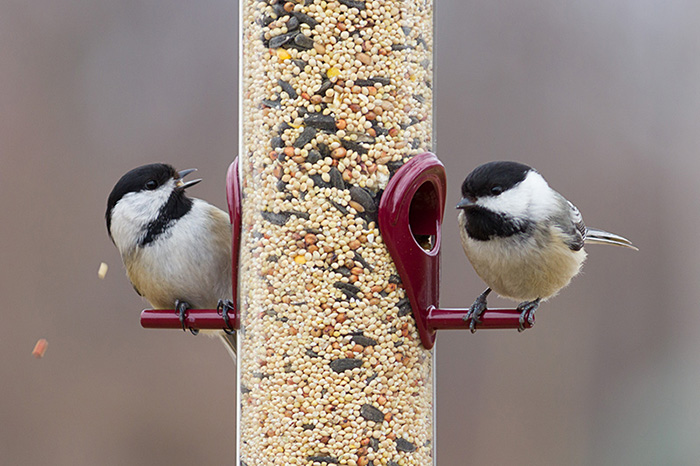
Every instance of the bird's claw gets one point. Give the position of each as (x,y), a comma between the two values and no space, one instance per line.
(527,313)
(476,310)
(225,306)
(182,307)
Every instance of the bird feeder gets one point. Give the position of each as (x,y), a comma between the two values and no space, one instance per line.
(336,204)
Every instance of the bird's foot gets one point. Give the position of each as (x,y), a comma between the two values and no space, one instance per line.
(527,313)
(225,306)
(476,310)
(182,307)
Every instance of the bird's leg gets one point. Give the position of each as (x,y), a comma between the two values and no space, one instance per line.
(527,312)
(476,310)
(182,307)
(225,306)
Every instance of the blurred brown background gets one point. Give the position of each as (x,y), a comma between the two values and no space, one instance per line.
(602,96)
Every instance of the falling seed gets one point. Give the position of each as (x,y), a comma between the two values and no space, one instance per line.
(102,271)
(40,348)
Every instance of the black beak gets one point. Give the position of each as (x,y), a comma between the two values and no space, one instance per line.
(465,203)
(180,184)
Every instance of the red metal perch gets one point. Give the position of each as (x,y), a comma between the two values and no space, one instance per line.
(437,319)
(195,319)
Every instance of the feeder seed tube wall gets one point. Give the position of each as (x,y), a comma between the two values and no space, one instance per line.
(335,97)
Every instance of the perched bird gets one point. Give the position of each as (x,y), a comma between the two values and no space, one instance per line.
(524,239)
(176,249)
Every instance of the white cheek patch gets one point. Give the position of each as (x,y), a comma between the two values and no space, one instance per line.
(530,199)
(132,214)
(514,202)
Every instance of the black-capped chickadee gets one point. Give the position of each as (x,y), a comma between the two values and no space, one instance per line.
(524,239)
(176,249)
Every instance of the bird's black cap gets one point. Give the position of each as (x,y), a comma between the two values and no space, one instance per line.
(136,180)
(492,178)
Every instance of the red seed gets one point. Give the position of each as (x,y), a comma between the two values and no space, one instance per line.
(40,348)
(338,152)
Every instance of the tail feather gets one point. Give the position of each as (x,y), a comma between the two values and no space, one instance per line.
(596,236)
(230,341)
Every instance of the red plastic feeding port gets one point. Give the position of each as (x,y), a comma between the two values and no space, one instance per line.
(233,196)
(210,319)
(410,219)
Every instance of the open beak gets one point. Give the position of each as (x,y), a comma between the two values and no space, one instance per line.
(182,185)
(465,203)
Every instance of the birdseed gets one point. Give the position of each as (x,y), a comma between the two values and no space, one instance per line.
(337,95)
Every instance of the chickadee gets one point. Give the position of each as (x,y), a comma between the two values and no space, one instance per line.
(524,239)
(176,249)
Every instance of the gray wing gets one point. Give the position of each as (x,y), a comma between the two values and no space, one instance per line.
(572,224)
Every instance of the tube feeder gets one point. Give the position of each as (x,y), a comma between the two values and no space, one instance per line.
(336,204)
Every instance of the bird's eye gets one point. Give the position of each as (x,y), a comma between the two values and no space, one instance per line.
(496,190)
(151,185)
